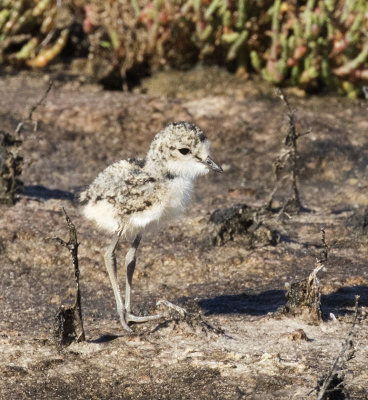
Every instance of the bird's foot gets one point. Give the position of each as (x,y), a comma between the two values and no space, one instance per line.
(174,307)
(128,317)
(135,318)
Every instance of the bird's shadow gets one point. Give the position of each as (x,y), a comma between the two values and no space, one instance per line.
(40,192)
(339,302)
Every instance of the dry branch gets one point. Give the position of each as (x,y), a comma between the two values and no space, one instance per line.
(304,296)
(10,169)
(324,253)
(10,162)
(333,381)
(68,324)
(32,110)
(287,159)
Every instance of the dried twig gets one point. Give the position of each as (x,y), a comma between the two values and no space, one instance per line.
(10,162)
(10,169)
(346,353)
(69,321)
(324,252)
(291,143)
(304,296)
(288,156)
(33,109)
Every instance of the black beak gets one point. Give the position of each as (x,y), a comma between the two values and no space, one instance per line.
(213,165)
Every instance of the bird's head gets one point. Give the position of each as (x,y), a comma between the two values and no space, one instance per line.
(183,149)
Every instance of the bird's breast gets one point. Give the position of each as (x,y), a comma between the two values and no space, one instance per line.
(168,202)
(178,194)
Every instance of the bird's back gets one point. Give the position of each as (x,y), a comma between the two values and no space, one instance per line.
(116,182)
(121,190)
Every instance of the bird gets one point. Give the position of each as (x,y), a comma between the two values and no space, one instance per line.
(138,195)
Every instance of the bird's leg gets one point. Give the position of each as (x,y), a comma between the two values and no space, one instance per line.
(130,261)
(110,262)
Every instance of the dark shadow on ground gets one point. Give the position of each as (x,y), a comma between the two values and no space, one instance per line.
(342,301)
(104,339)
(252,304)
(286,239)
(331,149)
(43,193)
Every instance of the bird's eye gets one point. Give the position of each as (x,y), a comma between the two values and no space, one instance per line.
(184,151)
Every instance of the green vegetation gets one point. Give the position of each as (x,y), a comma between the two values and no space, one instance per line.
(308,43)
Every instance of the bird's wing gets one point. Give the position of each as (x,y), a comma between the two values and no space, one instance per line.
(118,183)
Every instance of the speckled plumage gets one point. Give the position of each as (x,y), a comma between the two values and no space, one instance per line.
(161,184)
(136,195)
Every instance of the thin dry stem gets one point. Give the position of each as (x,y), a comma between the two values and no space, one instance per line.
(29,117)
(288,156)
(72,246)
(346,353)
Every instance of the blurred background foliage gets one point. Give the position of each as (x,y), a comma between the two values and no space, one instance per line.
(311,44)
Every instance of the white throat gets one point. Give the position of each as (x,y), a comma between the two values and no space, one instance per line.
(187,169)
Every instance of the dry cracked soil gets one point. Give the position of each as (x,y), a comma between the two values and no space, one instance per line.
(230,345)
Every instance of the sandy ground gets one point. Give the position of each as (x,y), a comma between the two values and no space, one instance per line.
(229,346)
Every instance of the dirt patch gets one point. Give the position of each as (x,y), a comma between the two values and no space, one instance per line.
(240,222)
(230,347)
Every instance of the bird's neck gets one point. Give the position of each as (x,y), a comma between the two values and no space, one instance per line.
(160,170)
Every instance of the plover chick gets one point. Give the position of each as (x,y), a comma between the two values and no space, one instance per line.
(137,195)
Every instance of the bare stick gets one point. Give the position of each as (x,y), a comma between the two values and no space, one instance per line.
(304,296)
(33,109)
(72,246)
(313,282)
(324,252)
(291,142)
(346,353)
(289,154)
